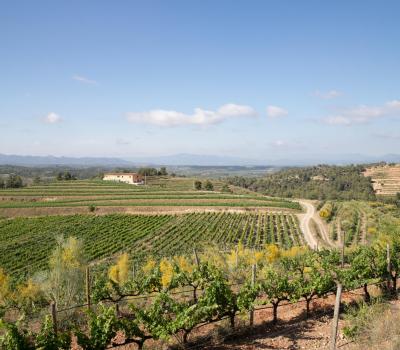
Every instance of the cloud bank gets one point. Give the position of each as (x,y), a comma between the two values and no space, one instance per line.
(276,112)
(364,114)
(200,117)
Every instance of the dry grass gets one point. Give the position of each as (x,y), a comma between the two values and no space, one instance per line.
(380,328)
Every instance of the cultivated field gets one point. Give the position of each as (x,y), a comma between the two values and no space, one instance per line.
(386,179)
(70,197)
(25,243)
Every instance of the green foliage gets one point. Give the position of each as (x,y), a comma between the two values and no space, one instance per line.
(46,339)
(103,327)
(211,295)
(12,181)
(197,185)
(66,176)
(359,316)
(209,186)
(159,235)
(317,182)
(14,338)
(225,189)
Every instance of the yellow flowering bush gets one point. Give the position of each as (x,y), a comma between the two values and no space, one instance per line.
(273,253)
(120,271)
(149,266)
(184,264)
(167,272)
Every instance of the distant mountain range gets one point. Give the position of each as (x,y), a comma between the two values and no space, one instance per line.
(62,161)
(193,160)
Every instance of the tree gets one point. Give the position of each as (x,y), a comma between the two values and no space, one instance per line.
(148,171)
(60,176)
(13,181)
(163,171)
(209,186)
(198,185)
(1,183)
(65,280)
(67,176)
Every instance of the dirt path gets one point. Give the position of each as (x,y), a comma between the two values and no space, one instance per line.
(364,220)
(305,225)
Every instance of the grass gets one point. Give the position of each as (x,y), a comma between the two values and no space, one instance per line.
(373,326)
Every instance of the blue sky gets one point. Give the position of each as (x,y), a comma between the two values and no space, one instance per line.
(254,79)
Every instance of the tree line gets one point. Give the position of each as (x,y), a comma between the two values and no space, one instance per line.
(11,181)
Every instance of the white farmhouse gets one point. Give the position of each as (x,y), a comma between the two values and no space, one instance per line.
(129,178)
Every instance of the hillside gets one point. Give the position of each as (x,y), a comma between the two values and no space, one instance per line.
(317,182)
(385,179)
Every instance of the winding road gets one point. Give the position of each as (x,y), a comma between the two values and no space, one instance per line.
(305,225)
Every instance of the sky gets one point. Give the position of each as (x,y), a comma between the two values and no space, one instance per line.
(251,79)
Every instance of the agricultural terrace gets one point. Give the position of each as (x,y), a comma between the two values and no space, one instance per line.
(26,243)
(360,221)
(385,179)
(70,197)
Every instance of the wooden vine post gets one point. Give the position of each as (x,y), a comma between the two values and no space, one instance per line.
(53,311)
(253,282)
(335,322)
(196,257)
(88,291)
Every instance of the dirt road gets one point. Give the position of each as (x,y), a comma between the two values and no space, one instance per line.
(305,225)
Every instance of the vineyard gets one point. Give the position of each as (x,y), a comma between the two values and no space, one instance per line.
(159,192)
(356,222)
(159,235)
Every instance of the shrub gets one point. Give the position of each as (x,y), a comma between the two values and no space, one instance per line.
(209,186)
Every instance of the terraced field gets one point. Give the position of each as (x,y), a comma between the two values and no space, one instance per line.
(25,243)
(160,192)
(385,179)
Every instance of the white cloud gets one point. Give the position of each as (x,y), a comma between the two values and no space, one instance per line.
(84,80)
(364,114)
(276,112)
(200,117)
(52,118)
(328,95)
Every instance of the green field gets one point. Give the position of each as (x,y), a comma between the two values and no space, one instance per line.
(160,192)
(25,243)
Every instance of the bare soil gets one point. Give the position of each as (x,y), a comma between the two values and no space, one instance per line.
(385,179)
(145,210)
